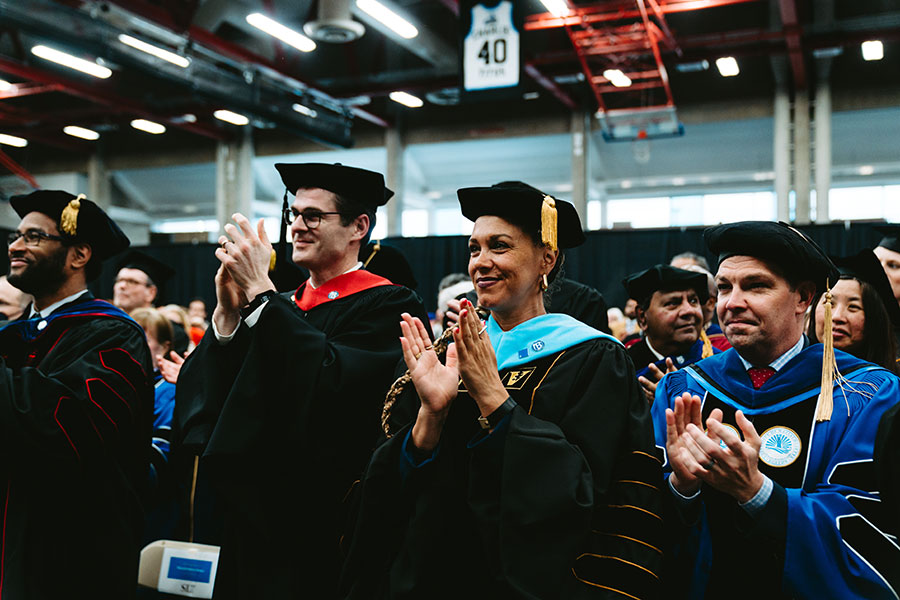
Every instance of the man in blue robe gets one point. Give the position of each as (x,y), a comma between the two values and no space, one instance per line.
(670,314)
(767,476)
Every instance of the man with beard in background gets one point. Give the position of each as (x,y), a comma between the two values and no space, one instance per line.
(75,410)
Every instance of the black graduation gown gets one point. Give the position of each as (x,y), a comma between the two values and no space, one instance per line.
(559,501)
(76,405)
(287,415)
(641,355)
(582,302)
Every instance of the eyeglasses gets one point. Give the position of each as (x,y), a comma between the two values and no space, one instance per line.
(32,237)
(310,218)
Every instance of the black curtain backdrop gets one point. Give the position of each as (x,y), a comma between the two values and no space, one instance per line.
(602,261)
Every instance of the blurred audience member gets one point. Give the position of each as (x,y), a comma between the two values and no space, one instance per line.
(616,320)
(686,259)
(198,313)
(711,329)
(864,315)
(451,290)
(161,510)
(182,324)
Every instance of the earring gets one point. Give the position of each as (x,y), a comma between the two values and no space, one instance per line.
(544,284)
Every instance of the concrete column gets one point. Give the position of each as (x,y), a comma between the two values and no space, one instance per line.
(395,146)
(234,178)
(823,149)
(99,186)
(782,152)
(581,128)
(604,207)
(802,167)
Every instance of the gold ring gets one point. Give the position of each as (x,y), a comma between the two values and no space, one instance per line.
(418,355)
(428,347)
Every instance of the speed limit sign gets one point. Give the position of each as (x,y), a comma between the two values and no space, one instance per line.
(491,47)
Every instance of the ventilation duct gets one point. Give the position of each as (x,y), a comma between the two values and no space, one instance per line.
(334,25)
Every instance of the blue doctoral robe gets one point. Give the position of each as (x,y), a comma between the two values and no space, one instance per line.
(694,354)
(821,534)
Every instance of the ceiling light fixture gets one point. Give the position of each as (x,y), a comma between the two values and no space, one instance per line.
(231,117)
(557,8)
(388,18)
(872,50)
(156,51)
(866,170)
(285,34)
(728,66)
(73,62)
(617,77)
(81,132)
(305,110)
(406,99)
(11,140)
(148,126)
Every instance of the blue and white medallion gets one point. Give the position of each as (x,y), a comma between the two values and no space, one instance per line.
(333,294)
(780,446)
(538,346)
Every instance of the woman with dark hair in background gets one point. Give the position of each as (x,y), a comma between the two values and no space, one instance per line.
(526,466)
(864,314)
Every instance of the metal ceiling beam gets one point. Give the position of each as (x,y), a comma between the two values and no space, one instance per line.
(28,89)
(17,169)
(651,33)
(792,30)
(236,52)
(620,11)
(550,85)
(100,96)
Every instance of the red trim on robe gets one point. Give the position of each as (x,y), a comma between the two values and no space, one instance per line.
(337,287)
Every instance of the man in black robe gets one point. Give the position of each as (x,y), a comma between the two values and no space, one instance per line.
(283,396)
(137,285)
(76,405)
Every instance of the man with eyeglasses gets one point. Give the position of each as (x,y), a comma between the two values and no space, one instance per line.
(285,391)
(75,412)
(138,280)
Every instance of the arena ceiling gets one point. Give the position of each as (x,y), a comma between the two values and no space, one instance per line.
(662,44)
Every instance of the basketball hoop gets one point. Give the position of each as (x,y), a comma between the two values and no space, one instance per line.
(640,149)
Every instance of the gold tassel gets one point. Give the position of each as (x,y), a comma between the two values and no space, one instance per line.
(68,221)
(273,258)
(548,223)
(825,404)
(707,345)
(375,250)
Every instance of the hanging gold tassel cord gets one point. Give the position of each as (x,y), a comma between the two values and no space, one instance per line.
(707,345)
(548,223)
(826,402)
(375,250)
(193,492)
(68,221)
(440,348)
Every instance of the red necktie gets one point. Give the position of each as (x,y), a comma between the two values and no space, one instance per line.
(759,375)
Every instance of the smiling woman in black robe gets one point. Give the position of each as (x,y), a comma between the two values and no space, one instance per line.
(526,468)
